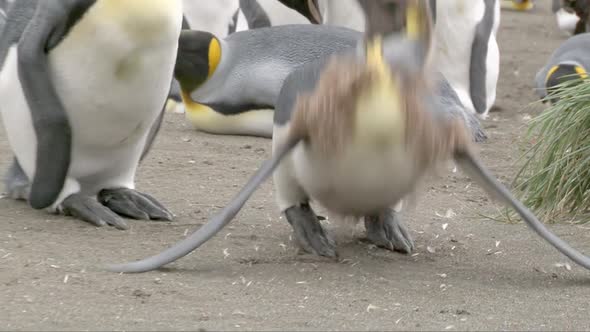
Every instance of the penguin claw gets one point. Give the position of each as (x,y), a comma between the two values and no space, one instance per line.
(133,204)
(387,231)
(309,231)
(88,209)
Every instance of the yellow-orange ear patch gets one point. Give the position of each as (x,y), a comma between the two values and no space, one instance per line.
(214,55)
(550,72)
(581,71)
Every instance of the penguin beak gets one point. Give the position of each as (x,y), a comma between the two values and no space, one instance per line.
(314,12)
(308,8)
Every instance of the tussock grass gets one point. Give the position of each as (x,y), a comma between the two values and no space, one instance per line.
(554,180)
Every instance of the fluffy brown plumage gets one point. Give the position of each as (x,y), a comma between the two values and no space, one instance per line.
(326,116)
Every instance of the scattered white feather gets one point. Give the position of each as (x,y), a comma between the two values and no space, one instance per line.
(225,253)
(371,307)
(448,214)
(444,226)
(567,266)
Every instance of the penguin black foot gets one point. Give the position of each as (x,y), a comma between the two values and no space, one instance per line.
(133,204)
(90,210)
(387,231)
(309,232)
(16,182)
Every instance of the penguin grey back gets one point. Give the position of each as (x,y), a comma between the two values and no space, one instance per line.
(264,53)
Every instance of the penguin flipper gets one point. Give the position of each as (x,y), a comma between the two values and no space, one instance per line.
(255,14)
(51,21)
(479,57)
(153,133)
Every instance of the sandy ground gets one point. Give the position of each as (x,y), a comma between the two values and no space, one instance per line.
(473,274)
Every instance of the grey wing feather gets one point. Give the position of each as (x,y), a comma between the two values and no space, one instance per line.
(301,80)
(478,65)
(154,130)
(50,121)
(447,101)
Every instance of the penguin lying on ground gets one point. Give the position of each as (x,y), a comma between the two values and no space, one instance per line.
(68,69)
(230,86)
(571,60)
(357,132)
(215,17)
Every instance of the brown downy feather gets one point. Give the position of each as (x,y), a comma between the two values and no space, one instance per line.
(326,116)
(434,139)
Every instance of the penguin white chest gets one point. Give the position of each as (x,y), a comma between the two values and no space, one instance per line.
(113,69)
(359,181)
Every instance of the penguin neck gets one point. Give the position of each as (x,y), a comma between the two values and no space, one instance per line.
(209,88)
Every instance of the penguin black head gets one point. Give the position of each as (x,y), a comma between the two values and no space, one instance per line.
(560,74)
(199,54)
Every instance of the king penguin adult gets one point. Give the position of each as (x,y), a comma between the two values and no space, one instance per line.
(69,72)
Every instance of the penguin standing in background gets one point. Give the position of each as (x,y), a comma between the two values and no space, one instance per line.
(211,16)
(571,60)
(566,18)
(253,14)
(67,70)
(466,50)
(573,16)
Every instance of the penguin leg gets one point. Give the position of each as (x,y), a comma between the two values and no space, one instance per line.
(88,209)
(133,204)
(309,232)
(16,182)
(386,230)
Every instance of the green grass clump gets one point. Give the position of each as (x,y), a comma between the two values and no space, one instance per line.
(555,179)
